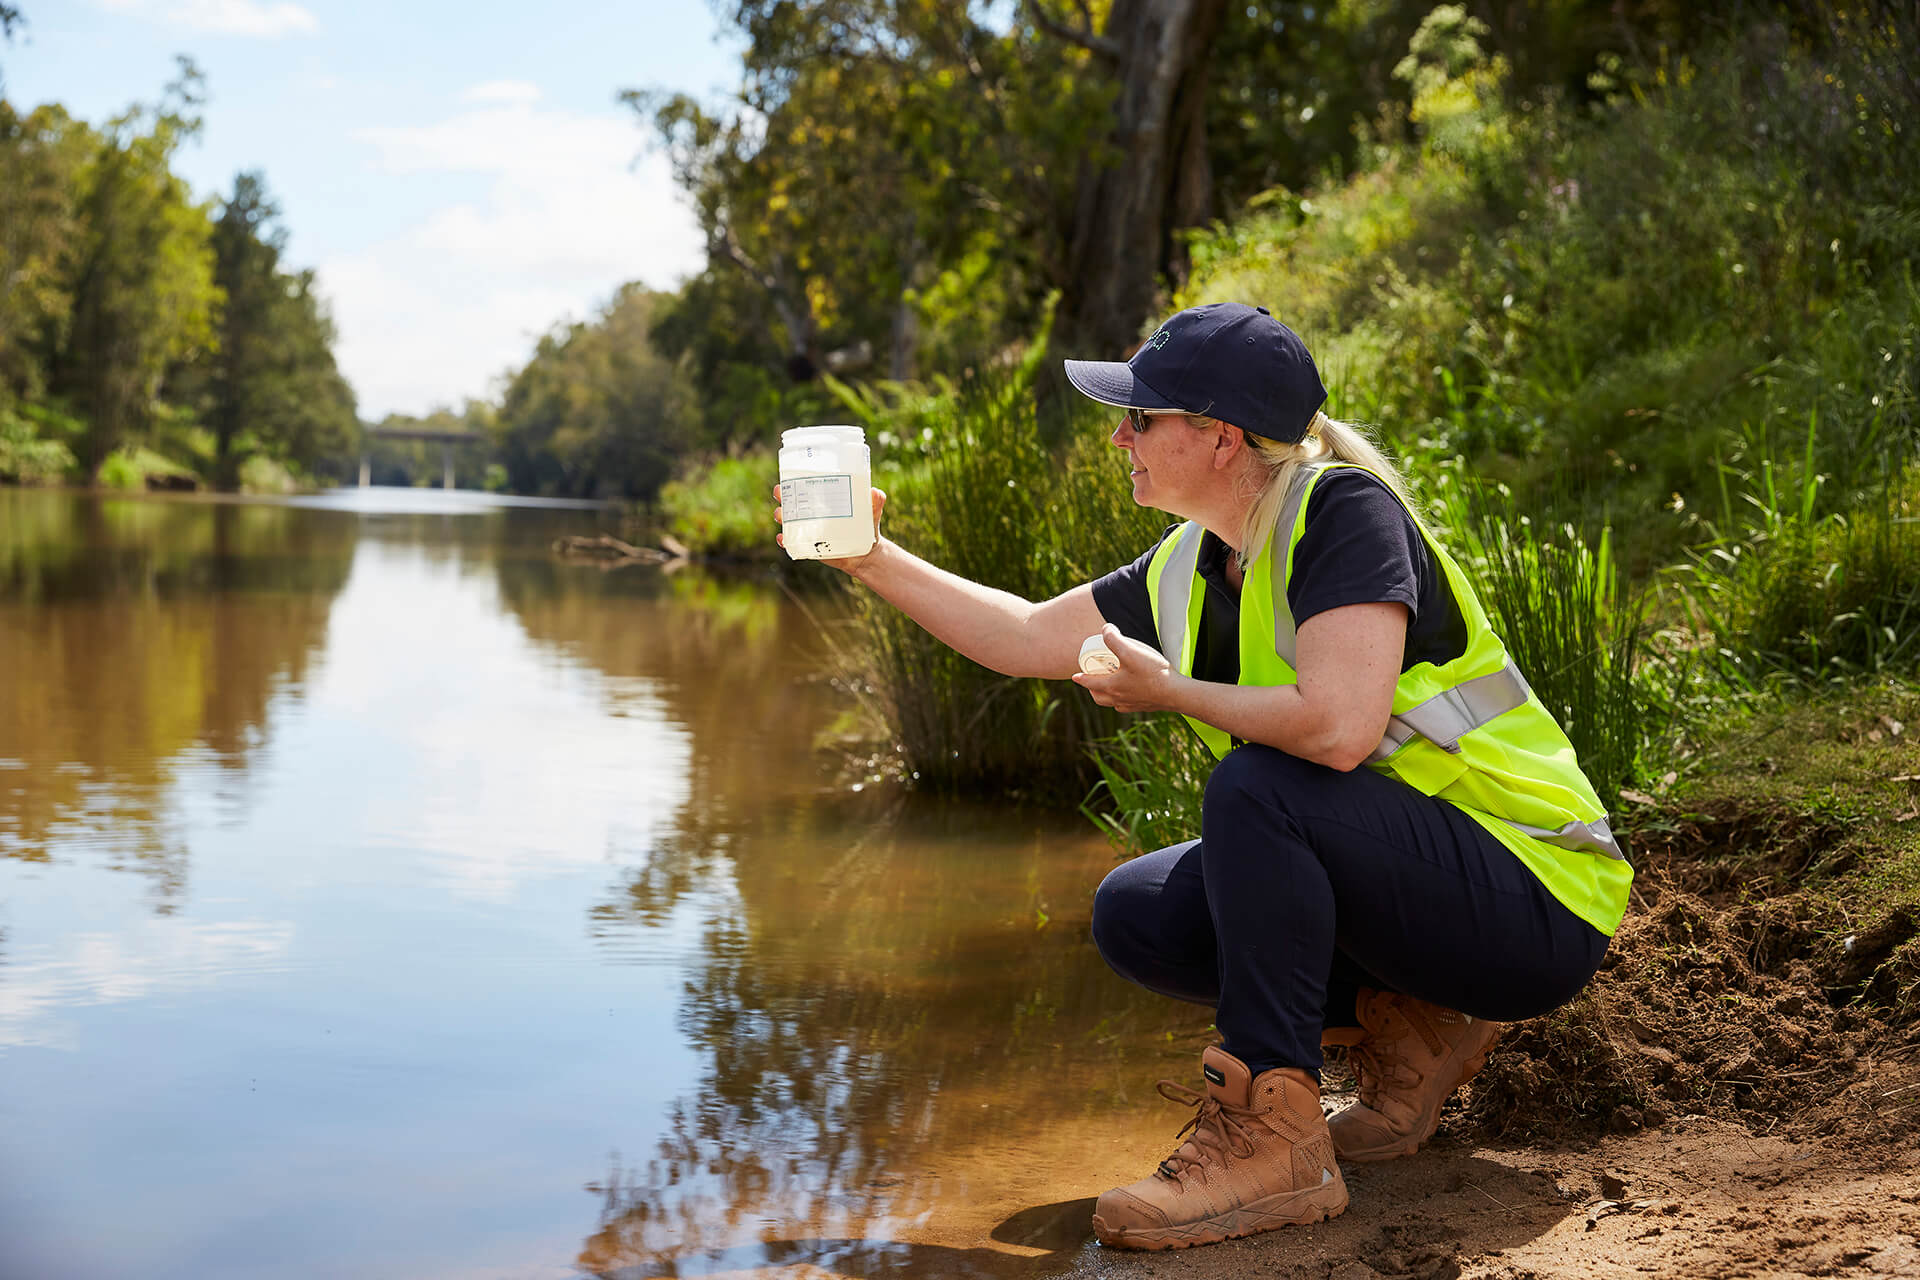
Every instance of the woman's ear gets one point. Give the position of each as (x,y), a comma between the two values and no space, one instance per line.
(1231,444)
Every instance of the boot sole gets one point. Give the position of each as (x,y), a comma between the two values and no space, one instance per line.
(1288,1209)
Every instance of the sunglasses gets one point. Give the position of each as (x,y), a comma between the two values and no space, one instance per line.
(1138,420)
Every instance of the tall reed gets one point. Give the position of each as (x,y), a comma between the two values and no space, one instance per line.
(991,501)
(1571,626)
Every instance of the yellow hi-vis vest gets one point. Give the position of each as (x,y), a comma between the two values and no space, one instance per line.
(1469,731)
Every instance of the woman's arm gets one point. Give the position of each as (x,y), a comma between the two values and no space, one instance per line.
(996,629)
(1349,662)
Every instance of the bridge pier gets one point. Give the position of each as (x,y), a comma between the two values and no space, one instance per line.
(447,440)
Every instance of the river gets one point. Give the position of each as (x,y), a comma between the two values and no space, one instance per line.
(383,895)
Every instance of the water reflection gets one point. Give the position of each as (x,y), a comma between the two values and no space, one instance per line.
(475,866)
(143,639)
(895,996)
(901,1016)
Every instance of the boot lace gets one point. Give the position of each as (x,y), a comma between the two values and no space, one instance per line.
(1216,1128)
(1375,1068)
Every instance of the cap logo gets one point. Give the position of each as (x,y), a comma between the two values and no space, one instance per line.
(1159,340)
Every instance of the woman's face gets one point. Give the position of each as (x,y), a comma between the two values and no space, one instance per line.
(1171,461)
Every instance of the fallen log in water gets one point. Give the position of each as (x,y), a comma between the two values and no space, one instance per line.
(613,551)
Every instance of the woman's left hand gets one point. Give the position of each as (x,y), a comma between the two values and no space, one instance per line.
(1144,682)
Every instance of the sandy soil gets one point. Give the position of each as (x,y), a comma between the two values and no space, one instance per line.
(1698,1197)
(1695,1198)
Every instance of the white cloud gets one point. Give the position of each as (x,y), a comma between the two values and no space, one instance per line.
(604,755)
(436,313)
(267,21)
(149,958)
(513,91)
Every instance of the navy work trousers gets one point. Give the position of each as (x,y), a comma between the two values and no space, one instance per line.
(1307,884)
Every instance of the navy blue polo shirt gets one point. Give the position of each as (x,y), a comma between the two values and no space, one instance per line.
(1359,546)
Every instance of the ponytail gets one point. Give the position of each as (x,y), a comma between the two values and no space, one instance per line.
(1327,440)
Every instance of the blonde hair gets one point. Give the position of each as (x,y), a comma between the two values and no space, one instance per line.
(1327,440)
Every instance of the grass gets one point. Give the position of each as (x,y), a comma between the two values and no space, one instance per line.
(1842,760)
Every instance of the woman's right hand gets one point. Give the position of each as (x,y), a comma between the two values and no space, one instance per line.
(850,565)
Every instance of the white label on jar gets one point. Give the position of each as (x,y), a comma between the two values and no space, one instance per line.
(816,498)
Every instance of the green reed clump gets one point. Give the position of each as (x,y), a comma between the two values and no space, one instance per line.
(1153,774)
(990,500)
(1572,627)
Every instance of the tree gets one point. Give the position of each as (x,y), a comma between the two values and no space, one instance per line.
(41,156)
(141,272)
(873,148)
(270,384)
(597,412)
(1154,176)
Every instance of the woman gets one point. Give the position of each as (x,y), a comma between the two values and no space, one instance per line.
(1305,623)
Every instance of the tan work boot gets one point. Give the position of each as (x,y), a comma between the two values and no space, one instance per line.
(1410,1057)
(1257,1156)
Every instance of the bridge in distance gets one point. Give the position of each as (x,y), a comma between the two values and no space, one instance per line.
(447,440)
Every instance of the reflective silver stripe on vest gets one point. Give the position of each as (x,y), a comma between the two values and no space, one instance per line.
(1583,837)
(1453,713)
(1280,548)
(1176,587)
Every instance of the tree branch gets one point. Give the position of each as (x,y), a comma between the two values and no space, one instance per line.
(1082,35)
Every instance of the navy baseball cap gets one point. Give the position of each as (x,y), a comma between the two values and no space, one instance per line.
(1225,360)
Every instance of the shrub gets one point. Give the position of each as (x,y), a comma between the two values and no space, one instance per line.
(25,457)
(132,467)
(726,509)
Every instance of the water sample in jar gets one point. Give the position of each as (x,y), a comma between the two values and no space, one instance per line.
(826,499)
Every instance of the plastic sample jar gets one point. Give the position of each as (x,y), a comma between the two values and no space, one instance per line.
(826,500)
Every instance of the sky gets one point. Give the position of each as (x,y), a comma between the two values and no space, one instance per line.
(460,176)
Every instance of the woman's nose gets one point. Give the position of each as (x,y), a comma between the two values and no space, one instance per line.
(1122,437)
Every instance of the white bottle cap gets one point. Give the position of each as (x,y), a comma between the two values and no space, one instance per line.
(1095,658)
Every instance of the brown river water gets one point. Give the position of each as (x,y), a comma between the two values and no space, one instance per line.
(381,895)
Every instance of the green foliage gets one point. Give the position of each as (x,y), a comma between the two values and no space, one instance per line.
(261,474)
(134,467)
(270,387)
(598,411)
(1792,593)
(26,458)
(726,508)
(41,155)
(1600,294)
(142,282)
(160,329)
(1153,774)
(875,151)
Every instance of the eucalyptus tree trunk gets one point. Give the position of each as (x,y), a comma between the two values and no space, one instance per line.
(1155,178)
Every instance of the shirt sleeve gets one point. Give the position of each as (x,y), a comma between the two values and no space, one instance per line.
(1123,599)
(1359,547)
